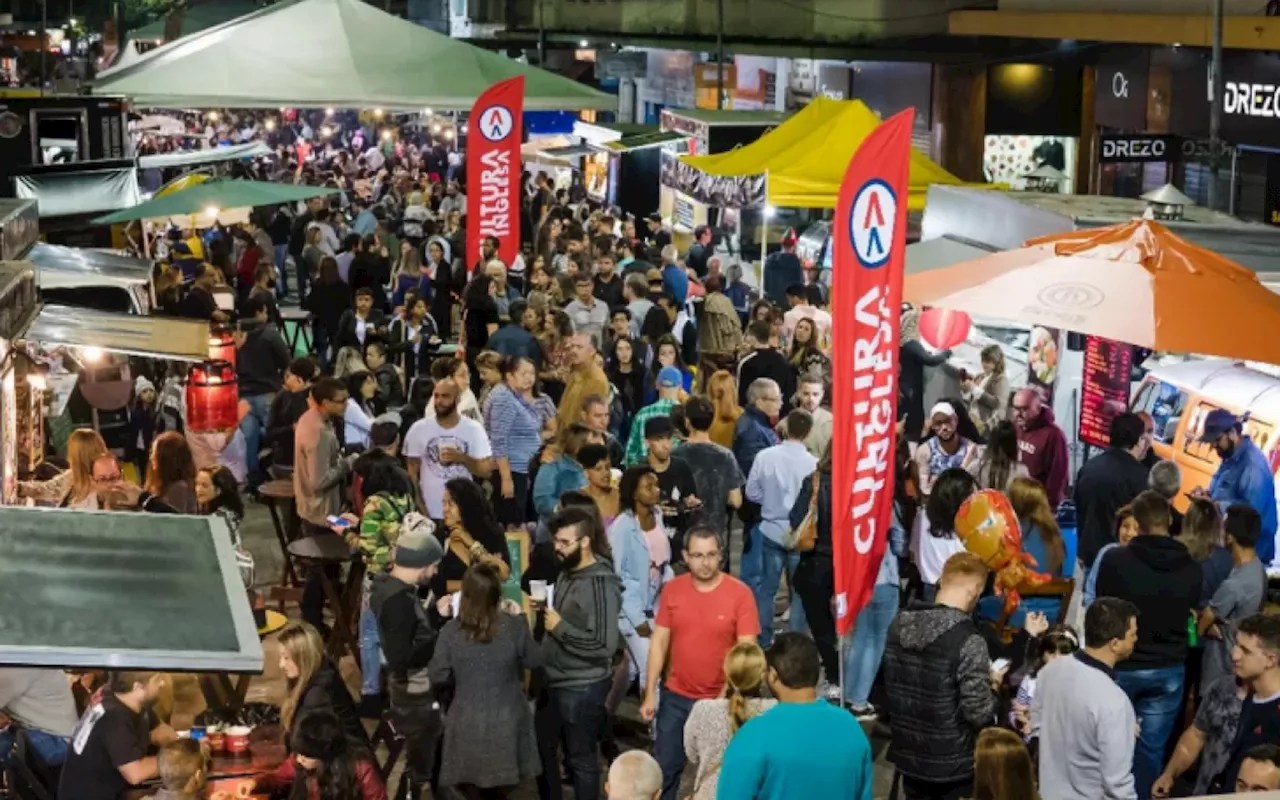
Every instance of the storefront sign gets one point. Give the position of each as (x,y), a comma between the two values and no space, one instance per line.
(1105,392)
(493,170)
(1120,91)
(834,81)
(870,245)
(1136,148)
(623,64)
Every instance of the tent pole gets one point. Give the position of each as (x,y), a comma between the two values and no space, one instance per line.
(44,45)
(720,54)
(542,36)
(764,235)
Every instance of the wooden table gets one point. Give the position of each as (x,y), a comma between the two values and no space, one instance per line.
(274,493)
(266,753)
(331,550)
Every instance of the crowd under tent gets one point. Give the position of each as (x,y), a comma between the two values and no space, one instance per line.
(95,590)
(372,59)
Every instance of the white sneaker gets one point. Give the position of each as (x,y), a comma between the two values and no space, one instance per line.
(865,713)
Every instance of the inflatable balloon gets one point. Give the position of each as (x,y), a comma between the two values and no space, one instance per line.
(944,328)
(989,529)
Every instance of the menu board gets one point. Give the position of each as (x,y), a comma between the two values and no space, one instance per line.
(1105,393)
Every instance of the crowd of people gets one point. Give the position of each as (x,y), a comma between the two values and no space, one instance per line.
(662,433)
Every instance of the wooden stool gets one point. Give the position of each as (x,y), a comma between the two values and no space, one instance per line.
(331,550)
(272,493)
(387,735)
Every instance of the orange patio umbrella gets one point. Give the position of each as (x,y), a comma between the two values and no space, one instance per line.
(1135,282)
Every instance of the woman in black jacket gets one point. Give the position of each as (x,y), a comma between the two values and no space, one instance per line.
(370,269)
(315,683)
(328,300)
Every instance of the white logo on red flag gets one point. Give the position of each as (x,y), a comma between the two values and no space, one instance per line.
(496,123)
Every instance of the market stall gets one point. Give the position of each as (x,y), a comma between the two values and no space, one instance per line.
(1136,284)
(624,164)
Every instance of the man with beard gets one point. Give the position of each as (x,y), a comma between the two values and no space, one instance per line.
(1215,738)
(446,446)
(108,753)
(1244,475)
(701,616)
(581,640)
(408,632)
(944,450)
(1042,446)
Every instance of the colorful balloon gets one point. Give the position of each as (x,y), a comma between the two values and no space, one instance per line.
(989,529)
(944,328)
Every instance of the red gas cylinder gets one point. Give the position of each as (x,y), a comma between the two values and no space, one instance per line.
(213,397)
(222,343)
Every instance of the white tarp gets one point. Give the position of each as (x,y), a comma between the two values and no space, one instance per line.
(64,194)
(192,158)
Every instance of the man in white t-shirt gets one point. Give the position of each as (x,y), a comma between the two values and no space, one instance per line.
(446,447)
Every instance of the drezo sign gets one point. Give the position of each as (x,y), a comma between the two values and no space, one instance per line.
(1136,148)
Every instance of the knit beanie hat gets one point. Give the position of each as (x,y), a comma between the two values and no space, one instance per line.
(417,546)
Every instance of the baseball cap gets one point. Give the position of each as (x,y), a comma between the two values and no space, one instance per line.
(1218,422)
(417,546)
(670,378)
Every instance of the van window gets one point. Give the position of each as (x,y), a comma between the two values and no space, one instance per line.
(1166,404)
(100,298)
(1262,434)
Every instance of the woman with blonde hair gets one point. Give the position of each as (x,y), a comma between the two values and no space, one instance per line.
(73,487)
(1002,767)
(722,389)
(1202,536)
(712,723)
(314,683)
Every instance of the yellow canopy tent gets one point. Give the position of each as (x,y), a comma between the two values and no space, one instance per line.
(805,157)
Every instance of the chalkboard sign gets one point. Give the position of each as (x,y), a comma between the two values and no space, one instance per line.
(518,550)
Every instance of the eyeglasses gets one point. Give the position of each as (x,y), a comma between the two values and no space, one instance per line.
(107,478)
(714,555)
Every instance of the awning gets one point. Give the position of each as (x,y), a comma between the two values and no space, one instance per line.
(96,589)
(341,53)
(805,159)
(569,151)
(88,262)
(150,337)
(643,140)
(192,158)
(65,194)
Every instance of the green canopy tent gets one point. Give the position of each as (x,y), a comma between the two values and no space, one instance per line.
(220,199)
(344,53)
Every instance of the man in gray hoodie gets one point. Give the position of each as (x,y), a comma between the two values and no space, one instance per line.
(940,685)
(408,630)
(581,640)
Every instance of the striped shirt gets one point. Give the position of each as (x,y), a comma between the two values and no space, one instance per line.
(514,428)
(637,449)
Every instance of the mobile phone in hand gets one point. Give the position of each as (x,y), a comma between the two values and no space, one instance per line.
(338,522)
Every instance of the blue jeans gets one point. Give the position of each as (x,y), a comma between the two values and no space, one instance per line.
(370,650)
(773,559)
(582,718)
(1156,695)
(253,425)
(281,254)
(50,749)
(870,629)
(668,741)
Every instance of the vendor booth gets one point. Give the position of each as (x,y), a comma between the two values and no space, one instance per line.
(623,165)
(94,278)
(1132,285)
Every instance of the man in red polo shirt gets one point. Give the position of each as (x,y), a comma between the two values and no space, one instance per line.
(701,616)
